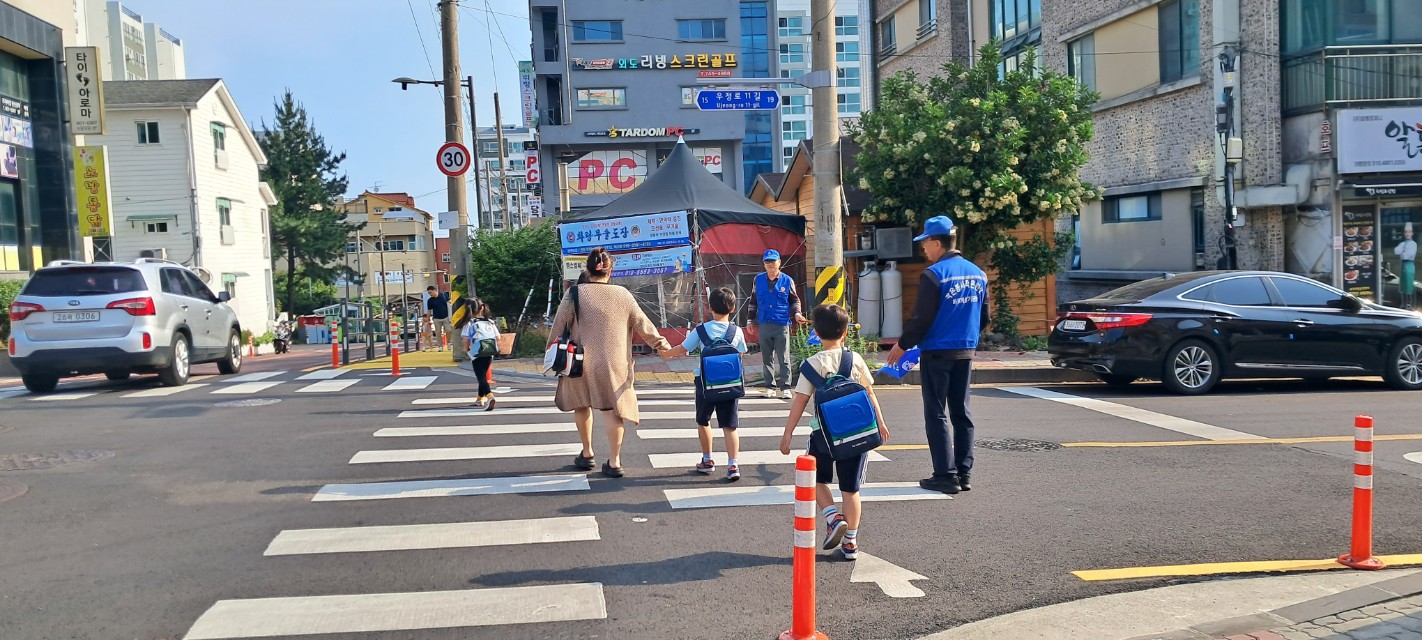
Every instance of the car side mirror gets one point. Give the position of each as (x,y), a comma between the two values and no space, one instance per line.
(1348,302)
(224,297)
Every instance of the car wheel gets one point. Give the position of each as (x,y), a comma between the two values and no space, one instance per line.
(117,376)
(1191,368)
(40,383)
(1404,365)
(1116,379)
(232,362)
(176,373)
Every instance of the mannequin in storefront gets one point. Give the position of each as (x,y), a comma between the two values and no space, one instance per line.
(1407,252)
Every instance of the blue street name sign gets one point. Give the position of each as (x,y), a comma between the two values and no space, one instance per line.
(737,100)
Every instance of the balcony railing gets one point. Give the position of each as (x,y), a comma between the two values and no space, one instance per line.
(1341,77)
(888,51)
(926,29)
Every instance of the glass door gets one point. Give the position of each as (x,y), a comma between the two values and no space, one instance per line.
(1401,223)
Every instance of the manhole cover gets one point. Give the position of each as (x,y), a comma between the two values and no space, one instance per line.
(12,490)
(1017,444)
(47,459)
(249,402)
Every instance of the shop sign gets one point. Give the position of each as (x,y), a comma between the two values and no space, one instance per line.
(647,61)
(14,107)
(525,85)
(86,90)
(9,162)
(1380,140)
(1325,138)
(1392,191)
(641,132)
(18,131)
(714,73)
(610,172)
(535,207)
(622,234)
(1360,251)
(91,181)
(658,262)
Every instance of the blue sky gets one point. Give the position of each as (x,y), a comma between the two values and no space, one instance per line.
(338,57)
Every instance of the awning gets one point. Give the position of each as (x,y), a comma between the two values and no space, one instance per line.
(148,217)
(232,277)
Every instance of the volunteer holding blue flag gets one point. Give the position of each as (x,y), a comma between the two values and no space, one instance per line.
(950,313)
(773,307)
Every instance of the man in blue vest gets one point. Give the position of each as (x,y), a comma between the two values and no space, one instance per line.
(950,313)
(773,307)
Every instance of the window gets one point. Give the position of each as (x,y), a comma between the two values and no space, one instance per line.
(155,227)
(848,77)
(792,54)
(1134,208)
(608,98)
(849,103)
(846,51)
(701,29)
(196,287)
(1313,24)
(219,136)
(927,17)
(688,96)
(1081,60)
(794,130)
(794,105)
(1179,40)
(886,36)
(148,133)
(597,31)
(1197,215)
(792,27)
(1240,292)
(1011,18)
(489,148)
(394,245)
(846,25)
(444,257)
(351,247)
(224,212)
(1298,293)
(84,281)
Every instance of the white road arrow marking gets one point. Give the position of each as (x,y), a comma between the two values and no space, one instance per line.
(1414,457)
(892,579)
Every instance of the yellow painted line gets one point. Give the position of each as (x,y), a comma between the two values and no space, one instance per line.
(1194,443)
(1217,568)
(319,366)
(902,447)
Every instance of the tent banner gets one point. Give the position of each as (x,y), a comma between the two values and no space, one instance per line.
(658,262)
(623,234)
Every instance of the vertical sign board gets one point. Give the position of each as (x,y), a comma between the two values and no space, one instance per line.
(91,182)
(530,101)
(532,175)
(86,91)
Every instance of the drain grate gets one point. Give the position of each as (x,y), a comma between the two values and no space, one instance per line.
(47,459)
(12,490)
(249,402)
(1017,444)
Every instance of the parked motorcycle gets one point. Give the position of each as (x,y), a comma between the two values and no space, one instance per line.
(282,342)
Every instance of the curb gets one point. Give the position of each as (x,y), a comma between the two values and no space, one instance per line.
(1331,605)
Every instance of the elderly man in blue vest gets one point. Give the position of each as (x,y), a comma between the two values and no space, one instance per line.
(950,313)
(774,306)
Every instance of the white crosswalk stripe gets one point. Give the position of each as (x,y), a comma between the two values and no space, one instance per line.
(61,397)
(252,377)
(327,386)
(434,536)
(548,400)
(322,374)
(449,488)
(554,411)
(410,383)
(747,458)
(159,392)
(10,393)
(748,496)
(246,387)
(469,453)
(479,430)
(690,433)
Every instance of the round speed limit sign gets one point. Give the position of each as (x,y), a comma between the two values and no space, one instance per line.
(453,159)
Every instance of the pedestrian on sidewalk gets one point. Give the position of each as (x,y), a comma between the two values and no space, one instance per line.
(719,335)
(481,341)
(774,307)
(950,314)
(602,317)
(437,309)
(831,322)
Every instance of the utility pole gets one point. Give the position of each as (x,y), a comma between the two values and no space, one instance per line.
(1233,148)
(454,132)
(564,198)
(474,153)
(503,160)
(829,243)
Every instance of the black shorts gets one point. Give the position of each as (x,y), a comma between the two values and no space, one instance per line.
(850,472)
(727,412)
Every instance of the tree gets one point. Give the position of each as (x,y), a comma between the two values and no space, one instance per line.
(306,294)
(505,264)
(307,229)
(994,151)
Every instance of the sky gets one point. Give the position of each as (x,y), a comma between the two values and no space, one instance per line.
(338,58)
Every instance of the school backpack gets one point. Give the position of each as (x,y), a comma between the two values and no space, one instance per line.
(720,366)
(485,336)
(848,425)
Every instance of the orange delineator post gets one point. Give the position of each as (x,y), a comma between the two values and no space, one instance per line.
(802,602)
(335,346)
(251,346)
(394,349)
(443,340)
(1360,554)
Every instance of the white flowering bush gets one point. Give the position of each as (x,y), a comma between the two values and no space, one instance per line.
(993,152)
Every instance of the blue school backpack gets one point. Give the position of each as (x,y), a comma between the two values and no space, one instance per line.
(720,366)
(848,426)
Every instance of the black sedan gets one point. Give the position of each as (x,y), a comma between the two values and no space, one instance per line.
(1192,329)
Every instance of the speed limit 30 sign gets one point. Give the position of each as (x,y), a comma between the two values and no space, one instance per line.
(453,159)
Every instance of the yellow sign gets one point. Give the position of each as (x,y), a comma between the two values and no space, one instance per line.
(91,181)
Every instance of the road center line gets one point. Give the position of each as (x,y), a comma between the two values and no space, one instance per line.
(1135,414)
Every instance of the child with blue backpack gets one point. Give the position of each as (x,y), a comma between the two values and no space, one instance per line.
(847,424)
(719,385)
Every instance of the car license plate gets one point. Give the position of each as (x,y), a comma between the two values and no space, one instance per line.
(1074,325)
(76,316)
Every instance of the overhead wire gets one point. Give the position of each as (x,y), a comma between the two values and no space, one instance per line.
(420,32)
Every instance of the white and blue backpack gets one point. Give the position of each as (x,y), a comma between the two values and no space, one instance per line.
(721,378)
(848,424)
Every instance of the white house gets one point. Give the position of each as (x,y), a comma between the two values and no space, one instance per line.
(185,185)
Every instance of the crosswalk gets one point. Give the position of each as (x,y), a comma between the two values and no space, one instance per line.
(525,432)
(322,381)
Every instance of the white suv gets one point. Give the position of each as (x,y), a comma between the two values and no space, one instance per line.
(74,319)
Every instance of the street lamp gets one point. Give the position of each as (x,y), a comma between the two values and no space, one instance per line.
(468,84)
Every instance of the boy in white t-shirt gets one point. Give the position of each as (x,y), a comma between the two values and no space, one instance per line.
(723,304)
(831,322)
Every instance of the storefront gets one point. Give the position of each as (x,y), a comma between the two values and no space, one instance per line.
(1380,170)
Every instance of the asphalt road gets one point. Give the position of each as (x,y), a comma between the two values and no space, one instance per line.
(143,544)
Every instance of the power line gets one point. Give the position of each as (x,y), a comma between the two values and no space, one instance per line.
(420,32)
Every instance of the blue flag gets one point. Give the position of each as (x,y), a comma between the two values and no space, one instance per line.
(906,364)
(813,339)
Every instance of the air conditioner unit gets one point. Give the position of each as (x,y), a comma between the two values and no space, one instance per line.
(160,253)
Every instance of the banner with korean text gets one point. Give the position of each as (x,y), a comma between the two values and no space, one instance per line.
(658,262)
(626,234)
(91,181)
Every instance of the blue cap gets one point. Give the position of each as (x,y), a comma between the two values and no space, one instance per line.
(936,226)
(770,254)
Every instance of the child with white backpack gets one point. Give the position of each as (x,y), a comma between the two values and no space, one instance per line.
(481,340)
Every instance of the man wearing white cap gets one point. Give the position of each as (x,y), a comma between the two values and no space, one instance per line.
(950,313)
(773,307)
(1407,252)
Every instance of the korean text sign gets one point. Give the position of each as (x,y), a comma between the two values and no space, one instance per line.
(623,234)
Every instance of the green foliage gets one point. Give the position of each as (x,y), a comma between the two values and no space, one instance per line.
(8,290)
(1034,343)
(992,151)
(266,339)
(867,346)
(308,293)
(505,264)
(530,342)
(307,229)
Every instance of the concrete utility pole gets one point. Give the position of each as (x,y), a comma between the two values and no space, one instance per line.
(503,160)
(829,243)
(454,132)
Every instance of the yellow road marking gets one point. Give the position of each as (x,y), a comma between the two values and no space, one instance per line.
(1216,568)
(1193,443)
(319,366)
(902,447)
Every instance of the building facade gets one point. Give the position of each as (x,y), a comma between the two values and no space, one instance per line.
(616,83)
(185,185)
(132,49)
(394,252)
(852,57)
(509,200)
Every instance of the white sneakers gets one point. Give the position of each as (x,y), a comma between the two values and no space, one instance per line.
(770,392)
(787,394)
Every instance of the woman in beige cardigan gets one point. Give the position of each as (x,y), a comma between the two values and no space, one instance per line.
(607,315)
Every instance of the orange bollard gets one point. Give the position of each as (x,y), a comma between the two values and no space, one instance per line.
(251,346)
(443,341)
(802,601)
(394,351)
(1360,555)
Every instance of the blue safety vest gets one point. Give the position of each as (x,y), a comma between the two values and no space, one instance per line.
(773,306)
(962,289)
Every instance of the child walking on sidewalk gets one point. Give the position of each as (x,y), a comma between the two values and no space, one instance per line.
(481,341)
(719,391)
(831,322)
